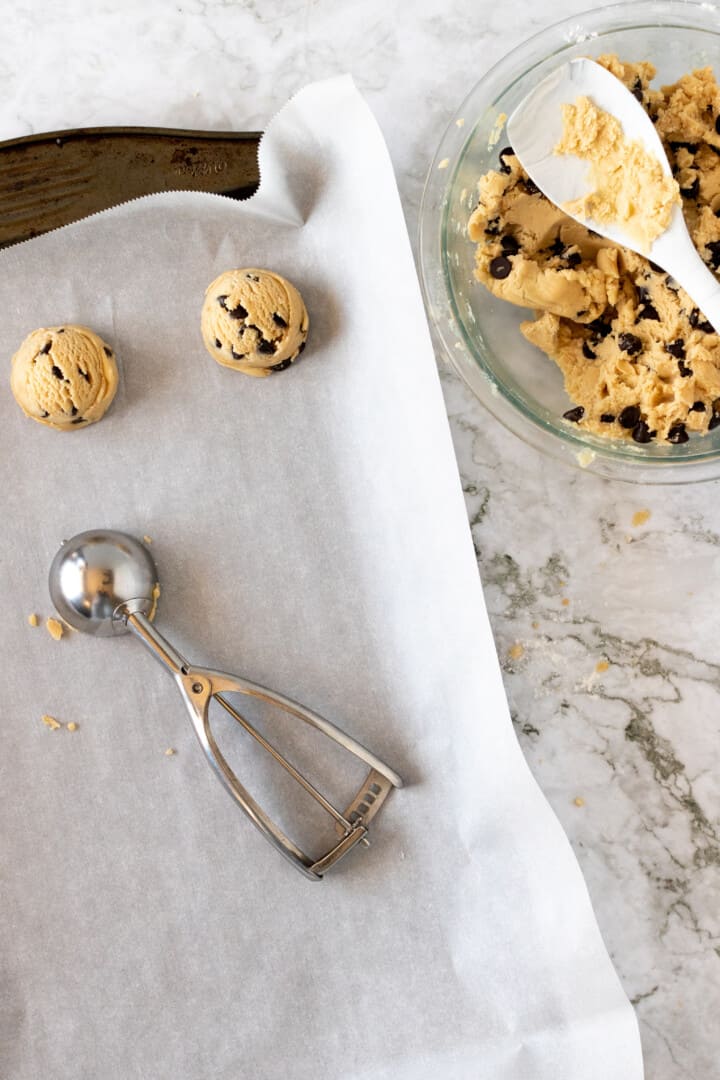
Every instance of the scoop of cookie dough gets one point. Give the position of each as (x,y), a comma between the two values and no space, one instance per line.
(254,321)
(64,377)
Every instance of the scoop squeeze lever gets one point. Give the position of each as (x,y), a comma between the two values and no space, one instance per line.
(105,583)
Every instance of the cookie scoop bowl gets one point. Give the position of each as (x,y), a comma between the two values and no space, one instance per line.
(479,334)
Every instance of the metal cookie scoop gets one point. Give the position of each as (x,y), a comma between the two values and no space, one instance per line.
(106,583)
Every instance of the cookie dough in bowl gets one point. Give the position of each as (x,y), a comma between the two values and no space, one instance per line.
(254,321)
(64,377)
(508,336)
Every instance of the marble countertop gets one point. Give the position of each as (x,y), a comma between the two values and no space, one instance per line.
(599,593)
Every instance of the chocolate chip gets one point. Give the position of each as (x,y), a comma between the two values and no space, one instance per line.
(46,347)
(637,90)
(698,324)
(278,319)
(600,327)
(643,294)
(264,346)
(714,248)
(671,284)
(676,348)
(84,374)
(236,355)
(531,187)
(78,420)
(630,416)
(238,312)
(73,411)
(44,414)
(56,372)
(500,267)
(655,267)
(218,343)
(587,352)
(717,124)
(281,366)
(493,227)
(252,277)
(693,191)
(677,434)
(607,418)
(557,247)
(61,330)
(575,414)
(630,344)
(697,406)
(648,311)
(574,258)
(642,434)
(684,370)
(691,147)
(507,151)
(714,421)
(302,346)
(108,352)
(221,300)
(509,245)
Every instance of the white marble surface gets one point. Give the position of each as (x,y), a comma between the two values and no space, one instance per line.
(627,756)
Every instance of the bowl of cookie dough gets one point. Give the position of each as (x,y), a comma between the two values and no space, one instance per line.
(585,351)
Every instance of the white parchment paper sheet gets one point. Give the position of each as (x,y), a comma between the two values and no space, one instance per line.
(311,534)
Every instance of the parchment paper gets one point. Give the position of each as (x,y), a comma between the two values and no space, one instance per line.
(310,533)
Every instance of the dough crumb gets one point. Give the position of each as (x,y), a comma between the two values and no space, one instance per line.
(516,651)
(460,122)
(601,666)
(444,163)
(72,726)
(147,539)
(565,602)
(54,628)
(170,752)
(497,130)
(578,800)
(640,517)
(51,722)
(33,619)
(535,625)
(155,597)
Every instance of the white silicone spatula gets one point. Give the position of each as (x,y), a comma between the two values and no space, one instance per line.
(535,128)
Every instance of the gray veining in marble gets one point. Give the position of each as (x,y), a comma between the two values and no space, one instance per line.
(607,630)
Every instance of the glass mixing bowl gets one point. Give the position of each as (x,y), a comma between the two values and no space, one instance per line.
(479,334)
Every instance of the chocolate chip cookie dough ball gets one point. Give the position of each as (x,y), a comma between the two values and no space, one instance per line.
(64,377)
(254,321)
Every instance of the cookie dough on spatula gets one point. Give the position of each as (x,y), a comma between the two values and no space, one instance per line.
(254,321)
(64,377)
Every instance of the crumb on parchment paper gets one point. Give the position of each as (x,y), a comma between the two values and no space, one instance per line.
(640,517)
(170,752)
(516,651)
(147,539)
(33,619)
(50,722)
(578,800)
(54,628)
(601,666)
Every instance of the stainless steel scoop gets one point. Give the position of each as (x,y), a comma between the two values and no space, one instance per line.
(106,583)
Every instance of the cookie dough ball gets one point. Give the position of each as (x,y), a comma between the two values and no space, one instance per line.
(254,321)
(64,376)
